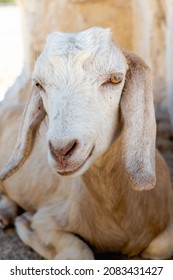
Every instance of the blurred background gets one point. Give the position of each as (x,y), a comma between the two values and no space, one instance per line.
(141,26)
(11,45)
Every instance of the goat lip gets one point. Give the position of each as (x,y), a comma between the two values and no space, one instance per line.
(70,172)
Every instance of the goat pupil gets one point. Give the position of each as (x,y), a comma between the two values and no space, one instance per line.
(38,85)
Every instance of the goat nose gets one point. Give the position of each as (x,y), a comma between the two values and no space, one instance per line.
(65,150)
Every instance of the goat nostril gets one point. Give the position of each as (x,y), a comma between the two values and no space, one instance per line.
(70,148)
(64,151)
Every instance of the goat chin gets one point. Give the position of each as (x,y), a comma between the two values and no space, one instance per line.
(121,198)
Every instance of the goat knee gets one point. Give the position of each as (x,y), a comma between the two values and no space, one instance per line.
(70,247)
(66,245)
(50,242)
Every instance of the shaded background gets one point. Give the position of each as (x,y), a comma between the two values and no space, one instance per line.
(141,26)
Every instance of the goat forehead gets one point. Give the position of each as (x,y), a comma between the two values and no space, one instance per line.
(90,39)
(91,52)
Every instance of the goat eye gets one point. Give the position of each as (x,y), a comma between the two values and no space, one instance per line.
(115,79)
(39,86)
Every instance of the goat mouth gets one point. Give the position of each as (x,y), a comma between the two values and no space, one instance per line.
(70,172)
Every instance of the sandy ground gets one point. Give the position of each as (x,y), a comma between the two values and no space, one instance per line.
(11,48)
(11,59)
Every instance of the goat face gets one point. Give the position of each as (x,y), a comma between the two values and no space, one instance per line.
(86,85)
(80,78)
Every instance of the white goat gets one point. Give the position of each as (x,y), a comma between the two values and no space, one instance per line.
(98,103)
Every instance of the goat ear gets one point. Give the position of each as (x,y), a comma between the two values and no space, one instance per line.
(138,135)
(34,113)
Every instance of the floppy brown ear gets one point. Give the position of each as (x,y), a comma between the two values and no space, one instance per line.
(139,132)
(33,115)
